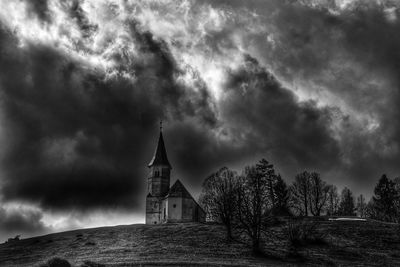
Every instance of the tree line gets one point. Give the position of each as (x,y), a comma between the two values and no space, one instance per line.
(247,204)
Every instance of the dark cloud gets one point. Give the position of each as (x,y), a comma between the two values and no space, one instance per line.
(352,55)
(345,58)
(259,118)
(22,222)
(77,139)
(81,140)
(296,135)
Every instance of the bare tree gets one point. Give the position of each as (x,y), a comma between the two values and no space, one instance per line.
(333,201)
(318,194)
(219,197)
(255,206)
(300,193)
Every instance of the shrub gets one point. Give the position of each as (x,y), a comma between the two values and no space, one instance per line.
(12,239)
(301,232)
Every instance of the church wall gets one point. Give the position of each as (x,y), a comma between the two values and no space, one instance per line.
(174,209)
(153,210)
(153,218)
(192,211)
(188,209)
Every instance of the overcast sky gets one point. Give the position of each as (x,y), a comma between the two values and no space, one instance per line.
(309,85)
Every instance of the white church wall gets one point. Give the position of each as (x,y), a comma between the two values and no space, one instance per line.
(174,209)
(188,209)
(152,210)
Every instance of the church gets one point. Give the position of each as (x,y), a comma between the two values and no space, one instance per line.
(166,204)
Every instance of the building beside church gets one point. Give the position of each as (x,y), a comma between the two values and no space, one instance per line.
(164,203)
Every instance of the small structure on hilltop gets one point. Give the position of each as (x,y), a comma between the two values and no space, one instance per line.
(164,203)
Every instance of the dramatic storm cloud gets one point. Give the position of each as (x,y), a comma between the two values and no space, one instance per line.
(21,221)
(83,84)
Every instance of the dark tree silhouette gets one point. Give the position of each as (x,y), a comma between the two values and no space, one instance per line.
(346,207)
(300,193)
(361,206)
(276,188)
(219,197)
(265,169)
(318,194)
(255,206)
(385,199)
(371,211)
(333,201)
(281,197)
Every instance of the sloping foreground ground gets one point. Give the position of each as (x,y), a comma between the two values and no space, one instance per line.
(347,243)
(133,245)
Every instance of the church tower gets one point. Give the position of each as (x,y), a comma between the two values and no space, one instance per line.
(158,182)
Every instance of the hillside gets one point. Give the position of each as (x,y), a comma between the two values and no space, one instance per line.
(349,243)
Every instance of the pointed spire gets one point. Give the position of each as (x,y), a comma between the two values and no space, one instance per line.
(160,155)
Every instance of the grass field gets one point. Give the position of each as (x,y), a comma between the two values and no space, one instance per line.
(354,243)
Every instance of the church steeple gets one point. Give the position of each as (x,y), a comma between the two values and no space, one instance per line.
(165,204)
(160,154)
(159,170)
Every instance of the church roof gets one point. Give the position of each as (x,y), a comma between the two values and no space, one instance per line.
(179,190)
(160,154)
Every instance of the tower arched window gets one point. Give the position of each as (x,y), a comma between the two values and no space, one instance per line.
(156,173)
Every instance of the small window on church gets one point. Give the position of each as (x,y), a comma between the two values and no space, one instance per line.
(156,173)
(155,222)
(174,206)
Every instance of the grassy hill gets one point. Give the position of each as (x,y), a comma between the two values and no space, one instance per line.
(348,243)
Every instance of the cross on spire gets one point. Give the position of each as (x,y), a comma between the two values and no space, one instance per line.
(160,125)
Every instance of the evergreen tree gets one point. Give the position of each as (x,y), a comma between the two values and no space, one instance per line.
(346,207)
(281,197)
(265,169)
(385,199)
